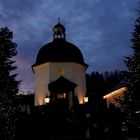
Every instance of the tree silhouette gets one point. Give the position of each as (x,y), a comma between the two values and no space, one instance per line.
(131,99)
(8,85)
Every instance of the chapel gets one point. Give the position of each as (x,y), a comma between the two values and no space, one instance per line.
(59,71)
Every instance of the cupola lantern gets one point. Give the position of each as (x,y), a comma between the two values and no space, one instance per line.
(59,31)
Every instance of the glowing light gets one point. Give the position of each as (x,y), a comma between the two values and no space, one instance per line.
(81,100)
(47,100)
(85,99)
(137,111)
(117,92)
(64,95)
(61,95)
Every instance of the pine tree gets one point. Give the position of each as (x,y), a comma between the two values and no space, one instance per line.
(8,85)
(131,99)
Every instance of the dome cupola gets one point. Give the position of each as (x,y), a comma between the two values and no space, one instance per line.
(59,31)
(59,50)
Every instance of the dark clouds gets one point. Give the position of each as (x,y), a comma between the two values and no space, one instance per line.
(101,29)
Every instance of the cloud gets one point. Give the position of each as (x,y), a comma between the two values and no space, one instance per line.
(101,29)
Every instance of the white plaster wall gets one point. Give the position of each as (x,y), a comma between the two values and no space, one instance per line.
(49,72)
(78,77)
(41,82)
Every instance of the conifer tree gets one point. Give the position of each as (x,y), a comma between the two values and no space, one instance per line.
(131,99)
(8,85)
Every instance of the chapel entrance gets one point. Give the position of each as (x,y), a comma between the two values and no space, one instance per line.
(62,92)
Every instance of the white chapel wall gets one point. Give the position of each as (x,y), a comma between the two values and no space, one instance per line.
(49,72)
(41,80)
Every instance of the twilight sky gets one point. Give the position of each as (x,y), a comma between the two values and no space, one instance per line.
(101,29)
